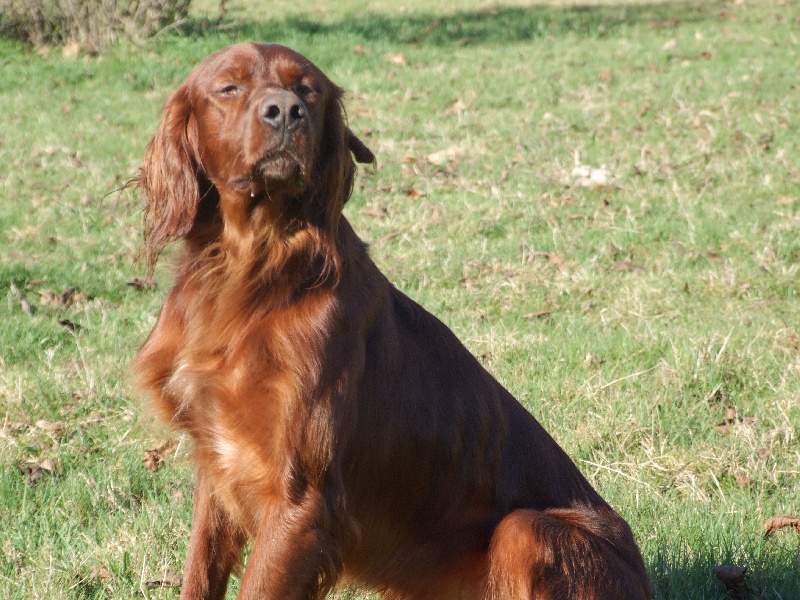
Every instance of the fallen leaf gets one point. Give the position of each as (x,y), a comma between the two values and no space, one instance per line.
(168,581)
(670,44)
(444,156)
(100,573)
(625,265)
(414,193)
(361,49)
(555,259)
(606,76)
(396,58)
(732,577)
(70,325)
(145,284)
(71,296)
(586,176)
(779,522)
(31,283)
(456,107)
(592,360)
(57,430)
(389,236)
(155,456)
(732,419)
(46,297)
(743,480)
(536,315)
(378,211)
(34,473)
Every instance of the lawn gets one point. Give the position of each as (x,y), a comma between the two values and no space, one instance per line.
(603,202)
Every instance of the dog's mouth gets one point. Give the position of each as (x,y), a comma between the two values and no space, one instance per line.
(278,167)
(278,172)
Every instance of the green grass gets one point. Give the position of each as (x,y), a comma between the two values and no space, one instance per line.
(668,294)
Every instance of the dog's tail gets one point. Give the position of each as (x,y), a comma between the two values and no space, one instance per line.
(580,553)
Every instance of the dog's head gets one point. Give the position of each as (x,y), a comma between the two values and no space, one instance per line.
(253,125)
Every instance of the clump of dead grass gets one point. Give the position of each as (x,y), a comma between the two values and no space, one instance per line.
(89,25)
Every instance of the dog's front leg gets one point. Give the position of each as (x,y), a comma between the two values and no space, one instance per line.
(294,555)
(215,546)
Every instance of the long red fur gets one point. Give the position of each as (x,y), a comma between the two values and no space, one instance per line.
(339,427)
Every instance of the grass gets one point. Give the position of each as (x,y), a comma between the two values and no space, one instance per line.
(650,322)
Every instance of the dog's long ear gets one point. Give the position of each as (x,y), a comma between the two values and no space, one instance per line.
(359,149)
(169,177)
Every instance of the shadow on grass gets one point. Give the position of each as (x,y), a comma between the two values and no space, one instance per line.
(687,572)
(497,25)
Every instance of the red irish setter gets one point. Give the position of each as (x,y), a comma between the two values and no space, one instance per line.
(337,425)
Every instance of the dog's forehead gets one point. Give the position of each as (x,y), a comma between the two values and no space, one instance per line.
(271,62)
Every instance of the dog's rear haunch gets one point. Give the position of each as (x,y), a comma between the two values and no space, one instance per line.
(337,425)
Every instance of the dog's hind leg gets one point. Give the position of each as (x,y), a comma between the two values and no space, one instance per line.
(581,553)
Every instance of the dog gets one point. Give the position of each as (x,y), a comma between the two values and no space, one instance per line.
(338,427)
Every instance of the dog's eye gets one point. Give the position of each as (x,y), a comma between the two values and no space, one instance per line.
(229,90)
(304,90)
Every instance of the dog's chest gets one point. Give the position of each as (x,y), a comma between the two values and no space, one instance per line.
(242,398)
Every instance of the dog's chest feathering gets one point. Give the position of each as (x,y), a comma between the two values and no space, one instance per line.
(235,389)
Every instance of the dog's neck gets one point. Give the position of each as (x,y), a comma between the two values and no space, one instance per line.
(254,244)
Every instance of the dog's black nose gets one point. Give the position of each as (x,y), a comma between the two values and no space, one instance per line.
(283,110)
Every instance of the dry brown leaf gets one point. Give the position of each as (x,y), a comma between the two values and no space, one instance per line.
(624,265)
(396,58)
(70,296)
(169,580)
(100,573)
(732,577)
(359,49)
(456,107)
(606,76)
(779,522)
(155,456)
(743,480)
(592,360)
(389,236)
(145,284)
(414,193)
(539,314)
(378,211)
(46,297)
(72,326)
(57,430)
(31,283)
(442,157)
(34,473)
